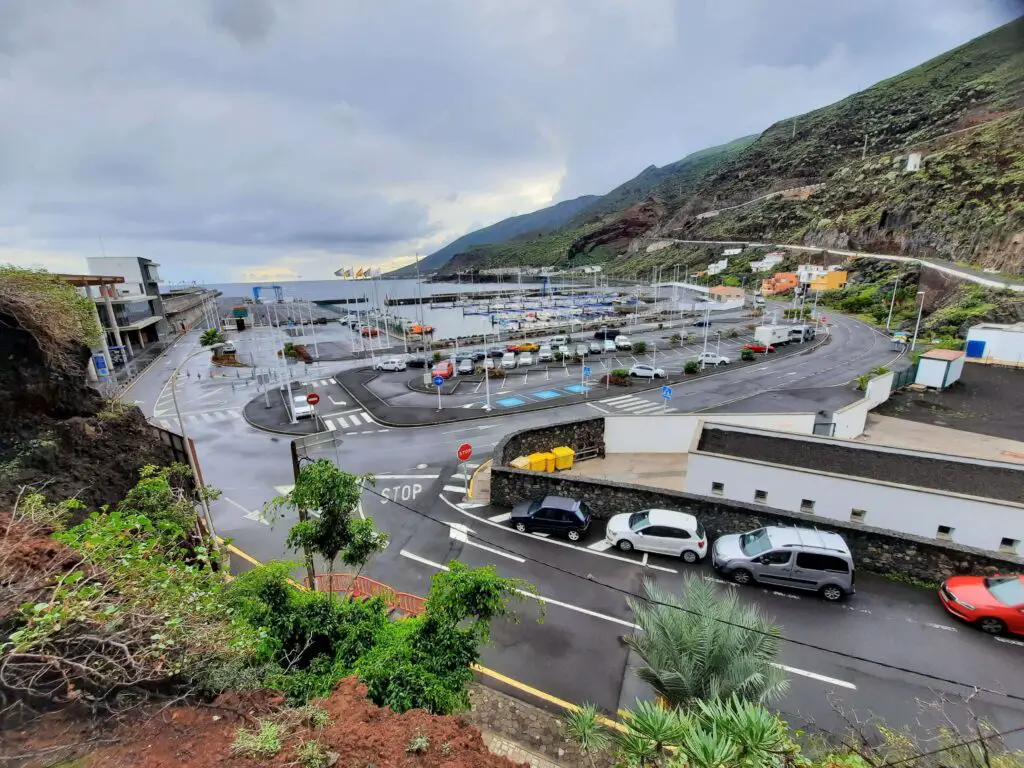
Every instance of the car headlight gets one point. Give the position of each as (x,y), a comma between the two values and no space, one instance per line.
(968,606)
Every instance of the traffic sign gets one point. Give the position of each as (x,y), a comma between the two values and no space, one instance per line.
(586,370)
(438,381)
(312,398)
(465,451)
(666,392)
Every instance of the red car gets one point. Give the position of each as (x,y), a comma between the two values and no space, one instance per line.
(994,603)
(443,369)
(759,347)
(367,331)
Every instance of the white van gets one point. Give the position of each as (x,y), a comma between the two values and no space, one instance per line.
(508,360)
(558,341)
(545,355)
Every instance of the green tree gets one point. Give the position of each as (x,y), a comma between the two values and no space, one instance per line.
(703,645)
(210,337)
(639,347)
(332,532)
(747,355)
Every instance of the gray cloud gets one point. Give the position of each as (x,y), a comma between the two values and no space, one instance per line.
(220,136)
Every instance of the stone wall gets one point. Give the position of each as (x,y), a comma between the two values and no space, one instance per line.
(575,434)
(874,549)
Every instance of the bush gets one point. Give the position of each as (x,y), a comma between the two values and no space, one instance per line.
(747,355)
(437,357)
(496,373)
(619,381)
(675,338)
(620,372)
(639,347)
(692,366)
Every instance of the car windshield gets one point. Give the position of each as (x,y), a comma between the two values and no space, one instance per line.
(755,542)
(638,520)
(1008,590)
(700,530)
(533,507)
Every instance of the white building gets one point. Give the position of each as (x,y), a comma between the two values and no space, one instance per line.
(768,263)
(732,251)
(718,266)
(132,312)
(996,343)
(938,368)
(806,273)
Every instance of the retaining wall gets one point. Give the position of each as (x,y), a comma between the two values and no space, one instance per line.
(574,434)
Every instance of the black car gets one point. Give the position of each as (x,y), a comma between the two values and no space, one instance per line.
(464,356)
(701,323)
(607,333)
(553,514)
(416,361)
(478,355)
(496,352)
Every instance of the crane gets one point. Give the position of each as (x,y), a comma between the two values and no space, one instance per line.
(277,289)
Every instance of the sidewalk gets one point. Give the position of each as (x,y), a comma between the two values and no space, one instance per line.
(514,751)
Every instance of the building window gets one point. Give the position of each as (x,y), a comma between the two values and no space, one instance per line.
(761,497)
(944,532)
(718,489)
(857,515)
(807,505)
(1009,545)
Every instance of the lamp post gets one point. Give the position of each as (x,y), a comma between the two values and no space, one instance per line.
(892,303)
(917,325)
(184,437)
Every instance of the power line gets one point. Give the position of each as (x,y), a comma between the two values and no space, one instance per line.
(628,593)
(977,740)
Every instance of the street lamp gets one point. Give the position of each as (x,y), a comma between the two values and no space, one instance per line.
(892,303)
(917,325)
(184,436)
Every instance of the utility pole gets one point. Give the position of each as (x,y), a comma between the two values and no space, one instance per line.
(864,152)
(892,303)
(917,325)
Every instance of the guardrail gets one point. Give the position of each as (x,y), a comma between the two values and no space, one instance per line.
(362,586)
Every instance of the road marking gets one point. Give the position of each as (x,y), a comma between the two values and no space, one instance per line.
(782,594)
(283,490)
(598,408)
(336,402)
(538,534)
(1010,641)
(600,546)
(816,676)
(539,598)
(719,581)
(471,504)
(408,477)
(551,541)
(933,626)
(617,399)
(460,476)
(329,424)
(460,532)
(256,515)
(502,518)
(455,489)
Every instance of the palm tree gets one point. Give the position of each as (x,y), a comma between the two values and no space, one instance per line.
(584,727)
(706,645)
(210,337)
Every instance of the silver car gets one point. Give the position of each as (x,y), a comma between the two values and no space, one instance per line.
(799,558)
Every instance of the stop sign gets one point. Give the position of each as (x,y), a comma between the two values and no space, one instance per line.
(465,451)
(312,398)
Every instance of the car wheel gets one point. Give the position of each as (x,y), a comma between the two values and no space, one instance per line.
(521,527)
(992,625)
(632,374)
(831,593)
(689,556)
(742,576)
(574,536)
(625,546)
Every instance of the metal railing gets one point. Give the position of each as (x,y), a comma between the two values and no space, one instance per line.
(362,586)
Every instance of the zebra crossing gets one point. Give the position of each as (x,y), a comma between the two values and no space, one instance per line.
(635,405)
(204,417)
(317,383)
(345,421)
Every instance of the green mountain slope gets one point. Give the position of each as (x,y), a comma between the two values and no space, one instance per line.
(545,219)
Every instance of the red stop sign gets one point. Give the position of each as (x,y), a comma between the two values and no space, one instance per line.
(312,398)
(465,451)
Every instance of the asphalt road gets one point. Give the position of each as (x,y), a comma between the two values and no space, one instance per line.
(576,653)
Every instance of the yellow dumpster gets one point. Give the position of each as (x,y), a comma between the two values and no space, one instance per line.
(520,462)
(549,462)
(563,457)
(539,461)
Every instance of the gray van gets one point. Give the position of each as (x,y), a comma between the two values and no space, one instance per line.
(800,558)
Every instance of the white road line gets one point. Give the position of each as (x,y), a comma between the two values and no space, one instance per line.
(538,534)
(599,546)
(460,476)
(408,477)
(782,594)
(502,518)
(1010,641)
(367,417)
(636,407)
(472,465)
(649,408)
(538,598)
(461,533)
(620,398)
(342,422)
(945,627)
(598,408)
(330,425)
(455,489)
(816,676)
(207,417)
(283,489)
(552,541)
(719,581)
(366,432)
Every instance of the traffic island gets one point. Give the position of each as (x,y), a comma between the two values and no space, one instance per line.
(276,418)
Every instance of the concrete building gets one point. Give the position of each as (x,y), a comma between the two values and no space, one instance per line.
(832,280)
(131,313)
(727,293)
(186,306)
(769,261)
(938,368)
(997,343)
(732,251)
(101,365)
(779,283)
(718,266)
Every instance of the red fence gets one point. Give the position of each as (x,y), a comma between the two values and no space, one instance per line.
(361,586)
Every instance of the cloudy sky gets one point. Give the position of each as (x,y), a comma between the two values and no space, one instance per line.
(279,139)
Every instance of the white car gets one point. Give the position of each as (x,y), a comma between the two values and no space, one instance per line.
(465,366)
(301,408)
(488,362)
(609,345)
(712,358)
(544,354)
(621,342)
(525,358)
(646,371)
(563,350)
(390,364)
(662,531)
(508,360)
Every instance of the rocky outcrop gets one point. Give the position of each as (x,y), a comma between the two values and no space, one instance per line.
(620,231)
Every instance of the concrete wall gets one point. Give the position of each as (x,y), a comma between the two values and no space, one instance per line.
(575,434)
(873,548)
(976,522)
(674,433)
(879,388)
(1001,344)
(848,422)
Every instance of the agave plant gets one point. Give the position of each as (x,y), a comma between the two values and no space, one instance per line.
(650,728)
(706,645)
(759,736)
(584,727)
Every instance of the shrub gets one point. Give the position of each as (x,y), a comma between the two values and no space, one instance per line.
(418,744)
(747,355)
(732,333)
(692,366)
(496,373)
(620,372)
(264,742)
(311,754)
(437,357)
(639,347)
(675,338)
(619,381)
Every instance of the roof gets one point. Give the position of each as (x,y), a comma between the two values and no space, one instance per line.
(726,289)
(83,280)
(943,354)
(672,519)
(1017,327)
(559,502)
(806,537)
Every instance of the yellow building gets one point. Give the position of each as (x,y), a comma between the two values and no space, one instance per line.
(830,281)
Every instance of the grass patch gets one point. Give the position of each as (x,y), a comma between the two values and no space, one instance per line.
(262,742)
(913,581)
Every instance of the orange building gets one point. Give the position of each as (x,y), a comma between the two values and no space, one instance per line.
(830,281)
(779,283)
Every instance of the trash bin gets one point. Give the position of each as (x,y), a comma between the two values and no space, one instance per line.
(563,457)
(539,462)
(520,462)
(549,462)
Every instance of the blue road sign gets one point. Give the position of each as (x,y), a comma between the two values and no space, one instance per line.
(666,393)
(586,370)
(438,381)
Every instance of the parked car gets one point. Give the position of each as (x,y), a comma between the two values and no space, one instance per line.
(444,369)
(508,360)
(582,350)
(390,364)
(512,347)
(712,358)
(995,604)
(662,531)
(496,352)
(478,355)
(552,514)
(528,346)
(465,366)
(525,358)
(320,320)
(545,355)
(596,347)
(227,349)
(702,322)
(760,348)
(488,363)
(416,361)
(607,333)
(621,342)
(563,350)
(646,372)
(463,355)
(368,331)
(301,408)
(799,558)
(558,341)
(609,345)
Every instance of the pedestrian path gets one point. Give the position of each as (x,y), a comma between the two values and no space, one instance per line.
(635,405)
(344,421)
(205,417)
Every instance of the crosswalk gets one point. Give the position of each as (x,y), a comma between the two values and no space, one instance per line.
(317,383)
(347,421)
(635,405)
(205,417)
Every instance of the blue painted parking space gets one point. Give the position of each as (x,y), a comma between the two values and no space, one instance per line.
(546,394)
(576,389)
(510,402)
